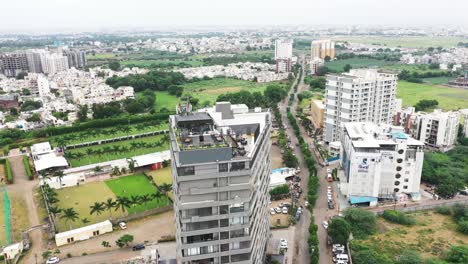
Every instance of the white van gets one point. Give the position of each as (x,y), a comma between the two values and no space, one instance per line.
(341,258)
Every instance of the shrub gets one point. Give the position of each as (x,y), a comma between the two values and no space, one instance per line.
(457,254)
(362,222)
(27,167)
(279,191)
(444,210)
(463,226)
(398,217)
(339,230)
(409,257)
(69,255)
(8,172)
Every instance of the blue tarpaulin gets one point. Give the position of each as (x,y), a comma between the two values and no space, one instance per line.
(361,199)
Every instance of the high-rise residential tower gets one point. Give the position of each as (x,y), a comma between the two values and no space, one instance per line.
(283,55)
(322,48)
(358,96)
(221,170)
(11,64)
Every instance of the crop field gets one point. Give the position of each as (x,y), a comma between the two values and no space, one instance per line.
(448,98)
(405,41)
(432,234)
(106,133)
(135,185)
(116,150)
(81,198)
(211,89)
(338,65)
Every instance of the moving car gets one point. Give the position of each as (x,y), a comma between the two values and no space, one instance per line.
(283,243)
(138,247)
(123,225)
(325,224)
(53,260)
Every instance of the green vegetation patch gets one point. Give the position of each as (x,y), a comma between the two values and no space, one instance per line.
(135,185)
(405,41)
(27,167)
(448,98)
(338,65)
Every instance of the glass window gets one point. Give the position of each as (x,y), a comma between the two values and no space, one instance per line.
(223,167)
(185,171)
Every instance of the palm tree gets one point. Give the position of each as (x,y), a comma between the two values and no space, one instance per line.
(122,203)
(54,210)
(69,214)
(165,188)
(42,173)
(97,208)
(133,145)
(109,204)
(79,155)
(145,199)
(97,169)
(59,174)
(115,171)
(126,130)
(60,142)
(131,164)
(123,170)
(134,200)
(89,152)
(85,220)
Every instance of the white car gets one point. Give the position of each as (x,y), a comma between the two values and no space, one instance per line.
(272,211)
(278,210)
(325,224)
(299,210)
(123,225)
(306,203)
(328,170)
(53,260)
(285,210)
(329,188)
(283,243)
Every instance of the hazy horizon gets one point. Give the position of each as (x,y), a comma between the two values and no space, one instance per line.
(86,15)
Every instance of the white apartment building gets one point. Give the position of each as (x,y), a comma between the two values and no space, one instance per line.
(464,112)
(362,95)
(438,130)
(43,85)
(379,162)
(53,63)
(283,55)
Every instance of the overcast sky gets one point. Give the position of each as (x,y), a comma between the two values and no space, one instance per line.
(49,15)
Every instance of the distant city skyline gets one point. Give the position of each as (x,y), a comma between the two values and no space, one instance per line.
(80,15)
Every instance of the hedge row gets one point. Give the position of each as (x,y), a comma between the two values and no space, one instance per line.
(312,188)
(9,174)
(398,217)
(27,167)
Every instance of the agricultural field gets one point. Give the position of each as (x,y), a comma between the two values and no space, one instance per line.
(338,65)
(405,41)
(449,98)
(106,133)
(136,185)
(116,150)
(209,90)
(148,63)
(432,234)
(81,198)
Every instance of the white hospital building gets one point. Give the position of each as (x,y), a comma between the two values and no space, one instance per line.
(379,162)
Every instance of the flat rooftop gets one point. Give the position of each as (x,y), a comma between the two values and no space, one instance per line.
(370,135)
(232,129)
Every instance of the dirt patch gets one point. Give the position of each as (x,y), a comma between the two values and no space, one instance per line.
(279,219)
(276,157)
(2,174)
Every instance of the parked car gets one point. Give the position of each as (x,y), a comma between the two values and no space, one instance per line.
(283,243)
(331,205)
(338,249)
(306,203)
(286,205)
(138,247)
(53,260)
(278,210)
(123,225)
(325,224)
(285,210)
(298,216)
(341,257)
(272,211)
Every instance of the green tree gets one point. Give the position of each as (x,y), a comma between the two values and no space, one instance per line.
(97,208)
(347,68)
(362,222)
(327,58)
(34,118)
(82,113)
(457,254)
(26,92)
(109,204)
(175,90)
(69,214)
(275,93)
(121,203)
(145,199)
(370,256)
(21,75)
(106,244)
(339,230)
(59,174)
(124,240)
(114,65)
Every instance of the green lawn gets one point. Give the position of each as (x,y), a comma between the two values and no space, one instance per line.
(405,41)
(3,238)
(81,198)
(106,133)
(135,185)
(165,100)
(338,65)
(95,158)
(211,89)
(449,98)
(161,176)
(101,56)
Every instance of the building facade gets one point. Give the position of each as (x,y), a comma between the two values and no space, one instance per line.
(283,55)
(11,64)
(221,169)
(358,96)
(438,130)
(322,48)
(53,63)
(379,162)
(76,58)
